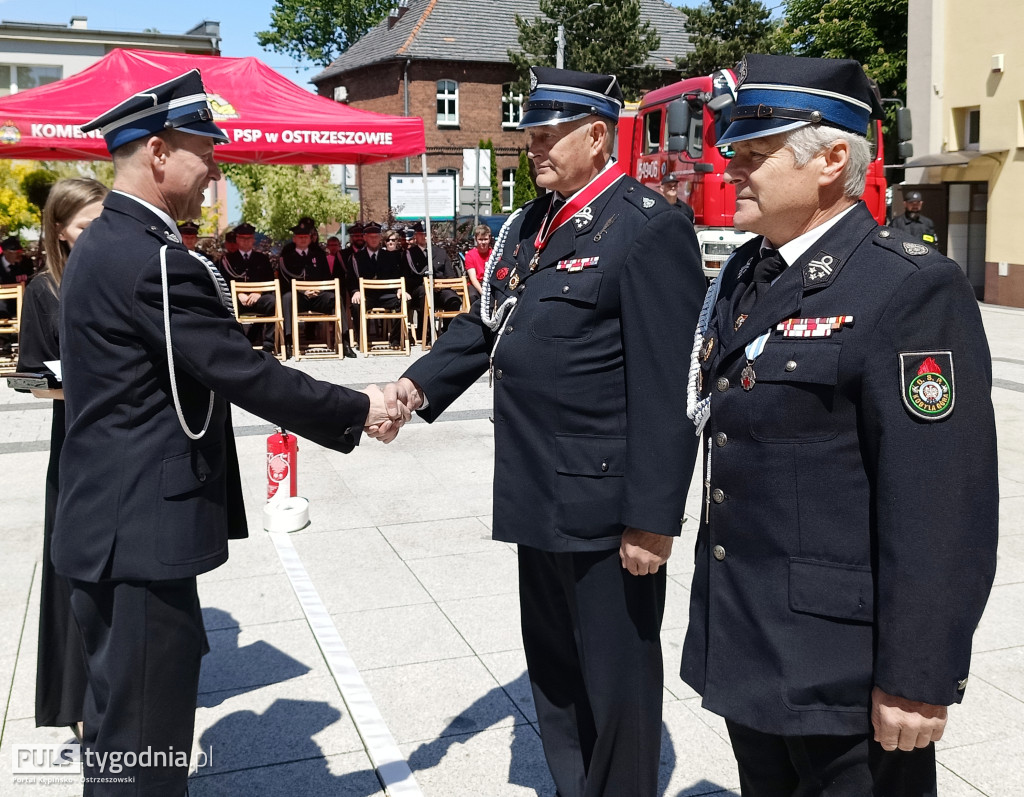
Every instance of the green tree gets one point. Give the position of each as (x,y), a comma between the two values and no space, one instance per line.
(320,30)
(609,39)
(873,32)
(36,186)
(274,197)
(722,31)
(523,187)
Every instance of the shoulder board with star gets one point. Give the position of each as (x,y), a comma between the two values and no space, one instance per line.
(906,247)
(648,200)
(163,235)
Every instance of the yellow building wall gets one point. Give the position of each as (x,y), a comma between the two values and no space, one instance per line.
(975,33)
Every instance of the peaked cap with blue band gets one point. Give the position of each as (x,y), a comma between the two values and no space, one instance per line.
(561,95)
(178,104)
(779,93)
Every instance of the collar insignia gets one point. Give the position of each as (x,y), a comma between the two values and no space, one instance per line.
(583,218)
(648,203)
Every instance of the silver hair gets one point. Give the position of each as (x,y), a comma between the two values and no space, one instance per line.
(806,142)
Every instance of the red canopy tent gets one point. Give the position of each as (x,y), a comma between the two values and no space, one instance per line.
(268,118)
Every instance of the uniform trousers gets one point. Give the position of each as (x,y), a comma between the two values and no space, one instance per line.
(591,632)
(321,303)
(144,641)
(828,766)
(265,305)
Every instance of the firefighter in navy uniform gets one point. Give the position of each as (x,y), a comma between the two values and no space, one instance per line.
(247,264)
(841,386)
(913,222)
(585,310)
(150,490)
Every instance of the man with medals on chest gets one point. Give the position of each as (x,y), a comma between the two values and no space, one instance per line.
(583,324)
(845,554)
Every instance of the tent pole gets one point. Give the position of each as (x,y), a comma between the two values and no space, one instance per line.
(430,249)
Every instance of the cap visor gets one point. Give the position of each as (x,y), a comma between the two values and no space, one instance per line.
(746,129)
(206,129)
(543,116)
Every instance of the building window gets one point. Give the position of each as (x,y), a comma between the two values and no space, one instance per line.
(511,107)
(15,77)
(447,103)
(967,124)
(972,130)
(508,181)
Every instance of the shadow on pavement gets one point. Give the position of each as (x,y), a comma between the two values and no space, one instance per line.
(229,670)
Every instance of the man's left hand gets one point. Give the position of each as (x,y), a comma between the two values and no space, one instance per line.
(905,724)
(642,552)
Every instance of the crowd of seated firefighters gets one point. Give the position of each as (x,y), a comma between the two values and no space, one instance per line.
(372,252)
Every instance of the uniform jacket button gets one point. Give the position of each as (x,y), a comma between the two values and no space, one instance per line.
(721,439)
(791,365)
(508,330)
(497,374)
(565,289)
(202,477)
(604,467)
(719,552)
(723,384)
(717,495)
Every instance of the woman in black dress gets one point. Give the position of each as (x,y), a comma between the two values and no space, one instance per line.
(60,663)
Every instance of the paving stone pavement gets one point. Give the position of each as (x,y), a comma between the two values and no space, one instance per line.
(399,551)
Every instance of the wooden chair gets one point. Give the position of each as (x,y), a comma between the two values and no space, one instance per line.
(458,284)
(13,295)
(399,316)
(247,316)
(331,351)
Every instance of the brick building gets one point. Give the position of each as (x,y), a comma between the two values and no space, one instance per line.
(446,61)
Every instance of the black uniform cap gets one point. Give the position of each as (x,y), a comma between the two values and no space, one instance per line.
(245,228)
(779,93)
(561,95)
(188,228)
(178,104)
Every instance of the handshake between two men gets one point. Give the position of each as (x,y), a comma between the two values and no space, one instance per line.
(391,408)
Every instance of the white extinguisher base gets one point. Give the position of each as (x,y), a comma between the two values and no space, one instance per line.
(286,514)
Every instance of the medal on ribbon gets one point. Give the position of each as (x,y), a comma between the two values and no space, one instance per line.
(581,199)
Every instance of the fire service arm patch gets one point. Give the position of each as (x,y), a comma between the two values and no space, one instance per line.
(926,383)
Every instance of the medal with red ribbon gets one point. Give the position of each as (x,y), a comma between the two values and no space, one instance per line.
(581,199)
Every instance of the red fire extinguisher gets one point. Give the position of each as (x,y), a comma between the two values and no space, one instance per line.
(282,463)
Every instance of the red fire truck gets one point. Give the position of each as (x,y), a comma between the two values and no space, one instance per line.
(674,129)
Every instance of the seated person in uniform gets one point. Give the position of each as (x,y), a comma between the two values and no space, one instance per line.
(246,264)
(444,268)
(305,261)
(375,263)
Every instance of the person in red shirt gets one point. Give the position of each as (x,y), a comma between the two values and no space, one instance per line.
(476,259)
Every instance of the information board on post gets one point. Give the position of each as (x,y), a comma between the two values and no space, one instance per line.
(407,197)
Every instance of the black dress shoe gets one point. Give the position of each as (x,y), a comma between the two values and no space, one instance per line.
(348,352)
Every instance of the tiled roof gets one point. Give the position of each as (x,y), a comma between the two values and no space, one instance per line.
(469,30)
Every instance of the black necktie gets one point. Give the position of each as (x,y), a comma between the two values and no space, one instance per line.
(766,270)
